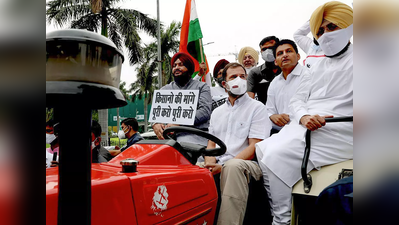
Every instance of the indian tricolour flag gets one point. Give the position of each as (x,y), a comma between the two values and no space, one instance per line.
(191,37)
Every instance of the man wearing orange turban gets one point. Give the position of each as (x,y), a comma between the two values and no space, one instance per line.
(327,91)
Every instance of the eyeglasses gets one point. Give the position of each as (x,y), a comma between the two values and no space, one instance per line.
(330,27)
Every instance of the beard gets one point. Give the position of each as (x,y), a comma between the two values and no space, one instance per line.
(183,79)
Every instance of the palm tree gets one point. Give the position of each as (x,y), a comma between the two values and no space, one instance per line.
(169,45)
(120,25)
(125,91)
(146,82)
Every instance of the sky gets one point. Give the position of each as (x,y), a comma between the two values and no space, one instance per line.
(229,24)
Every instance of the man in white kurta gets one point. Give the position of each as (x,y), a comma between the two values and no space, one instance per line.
(240,123)
(327,91)
(284,86)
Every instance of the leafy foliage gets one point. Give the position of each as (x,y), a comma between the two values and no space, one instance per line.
(120,25)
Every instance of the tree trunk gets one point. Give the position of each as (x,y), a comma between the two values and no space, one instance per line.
(145,113)
(103,113)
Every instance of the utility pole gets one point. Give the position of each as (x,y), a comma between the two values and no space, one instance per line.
(159,50)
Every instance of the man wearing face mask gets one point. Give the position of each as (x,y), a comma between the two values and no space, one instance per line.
(182,69)
(312,48)
(259,78)
(327,91)
(218,93)
(99,153)
(129,130)
(240,123)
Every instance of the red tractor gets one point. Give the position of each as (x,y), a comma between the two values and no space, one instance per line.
(153,182)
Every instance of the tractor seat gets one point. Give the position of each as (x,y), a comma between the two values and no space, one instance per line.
(322,178)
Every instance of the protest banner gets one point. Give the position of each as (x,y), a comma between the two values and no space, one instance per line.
(174,106)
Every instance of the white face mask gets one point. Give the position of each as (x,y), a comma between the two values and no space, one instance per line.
(50,138)
(93,145)
(333,42)
(237,86)
(268,56)
(121,134)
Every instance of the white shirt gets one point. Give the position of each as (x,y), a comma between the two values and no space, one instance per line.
(314,52)
(281,91)
(234,125)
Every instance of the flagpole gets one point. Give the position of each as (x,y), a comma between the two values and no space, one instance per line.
(201,52)
(159,49)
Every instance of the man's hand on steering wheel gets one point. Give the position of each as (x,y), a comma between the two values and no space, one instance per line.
(220,150)
(158,130)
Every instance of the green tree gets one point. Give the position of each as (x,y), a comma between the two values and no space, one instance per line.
(120,25)
(169,46)
(146,81)
(124,90)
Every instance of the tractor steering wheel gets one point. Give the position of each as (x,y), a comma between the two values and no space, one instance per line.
(202,150)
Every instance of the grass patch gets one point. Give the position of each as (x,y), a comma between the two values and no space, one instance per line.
(115,142)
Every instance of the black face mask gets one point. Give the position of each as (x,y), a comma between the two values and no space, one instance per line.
(233,95)
(182,79)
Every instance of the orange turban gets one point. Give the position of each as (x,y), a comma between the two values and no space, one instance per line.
(336,12)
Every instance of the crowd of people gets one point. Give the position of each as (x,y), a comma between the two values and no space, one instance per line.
(262,112)
(265,138)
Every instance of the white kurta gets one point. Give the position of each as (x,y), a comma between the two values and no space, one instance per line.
(314,53)
(281,91)
(327,90)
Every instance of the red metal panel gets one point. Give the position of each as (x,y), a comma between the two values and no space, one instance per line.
(128,198)
(151,154)
(112,201)
(176,191)
(202,215)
